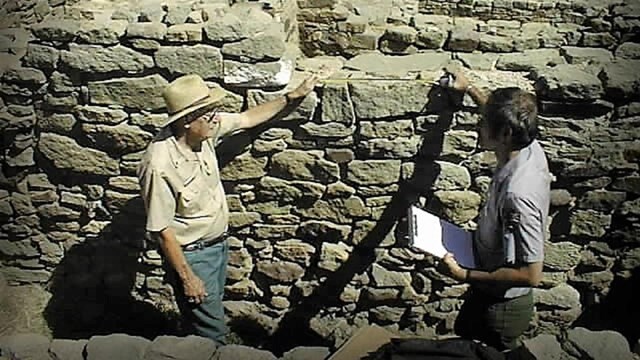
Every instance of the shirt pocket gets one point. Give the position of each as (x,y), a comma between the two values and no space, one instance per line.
(188,204)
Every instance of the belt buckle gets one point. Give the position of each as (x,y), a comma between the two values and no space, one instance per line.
(197,245)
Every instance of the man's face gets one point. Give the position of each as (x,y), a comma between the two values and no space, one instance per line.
(205,127)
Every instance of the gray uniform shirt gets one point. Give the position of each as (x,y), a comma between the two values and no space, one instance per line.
(511,228)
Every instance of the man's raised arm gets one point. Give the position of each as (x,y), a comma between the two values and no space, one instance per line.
(461,83)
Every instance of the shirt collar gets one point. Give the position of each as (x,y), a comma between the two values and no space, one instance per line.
(176,154)
(513,164)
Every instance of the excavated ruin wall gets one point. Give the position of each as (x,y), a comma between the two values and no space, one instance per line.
(317,198)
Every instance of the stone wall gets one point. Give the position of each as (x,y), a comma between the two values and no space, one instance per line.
(579,343)
(349,28)
(317,198)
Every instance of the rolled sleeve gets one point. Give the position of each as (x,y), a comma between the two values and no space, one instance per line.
(159,201)
(229,124)
(523,222)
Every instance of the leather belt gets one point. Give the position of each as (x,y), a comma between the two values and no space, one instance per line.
(203,243)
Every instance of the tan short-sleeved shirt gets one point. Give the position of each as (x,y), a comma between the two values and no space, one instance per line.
(183,191)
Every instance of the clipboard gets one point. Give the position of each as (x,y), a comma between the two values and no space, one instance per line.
(437,237)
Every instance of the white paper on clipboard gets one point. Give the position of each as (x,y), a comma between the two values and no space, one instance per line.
(437,237)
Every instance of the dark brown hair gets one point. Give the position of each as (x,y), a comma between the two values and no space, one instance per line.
(515,109)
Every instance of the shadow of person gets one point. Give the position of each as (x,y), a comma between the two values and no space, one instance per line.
(294,329)
(92,287)
(617,311)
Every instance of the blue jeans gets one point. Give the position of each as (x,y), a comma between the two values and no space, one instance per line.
(206,319)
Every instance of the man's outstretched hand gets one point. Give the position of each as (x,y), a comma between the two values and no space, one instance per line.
(304,89)
(460,81)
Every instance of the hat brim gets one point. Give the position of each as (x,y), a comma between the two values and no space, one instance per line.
(214,96)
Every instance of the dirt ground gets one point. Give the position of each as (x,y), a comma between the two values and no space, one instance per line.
(22,309)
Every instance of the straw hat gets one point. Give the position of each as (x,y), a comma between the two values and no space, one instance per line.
(187,94)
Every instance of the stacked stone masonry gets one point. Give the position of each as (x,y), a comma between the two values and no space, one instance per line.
(317,198)
(349,28)
(597,345)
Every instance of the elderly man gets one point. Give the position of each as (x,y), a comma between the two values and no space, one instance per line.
(184,198)
(509,241)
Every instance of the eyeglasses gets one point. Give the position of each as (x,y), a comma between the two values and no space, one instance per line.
(212,116)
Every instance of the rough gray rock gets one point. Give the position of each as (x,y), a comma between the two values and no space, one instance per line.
(377,63)
(600,345)
(263,47)
(203,60)
(306,353)
(143,93)
(562,256)
(529,60)
(116,346)
(25,346)
(180,348)
(68,349)
(620,79)
(119,139)
(66,154)
(102,32)
(546,347)
(268,74)
(568,82)
(233,352)
(237,25)
(388,98)
(98,59)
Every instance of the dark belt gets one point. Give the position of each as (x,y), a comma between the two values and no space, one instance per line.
(203,243)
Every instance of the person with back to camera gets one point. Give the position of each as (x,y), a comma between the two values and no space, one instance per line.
(509,241)
(184,198)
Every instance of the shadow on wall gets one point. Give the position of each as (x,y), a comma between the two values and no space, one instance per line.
(92,286)
(618,311)
(294,329)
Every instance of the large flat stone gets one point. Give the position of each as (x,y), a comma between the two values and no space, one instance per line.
(102,32)
(529,60)
(119,139)
(377,63)
(56,29)
(43,57)
(98,59)
(336,104)
(579,55)
(67,154)
(568,82)
(25,346)
(378,99)
(268,74)
(180,348)
(143,93)
(600,345)
(621,80)
(238,24)
(117,346)
(68,349)
(546,347)
(263,47)
(373,172)
(628,50)
(203,60)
